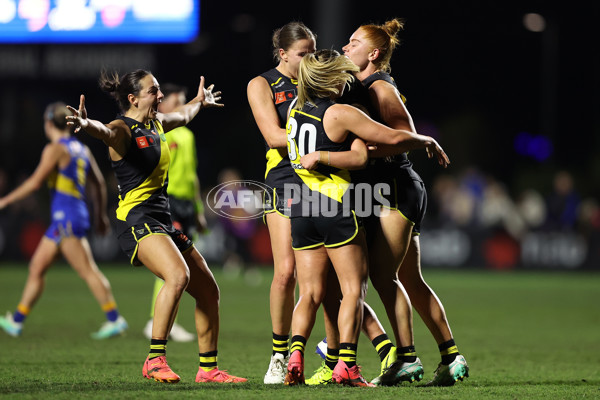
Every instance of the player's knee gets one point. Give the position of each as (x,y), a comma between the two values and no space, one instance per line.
(313,294)
(37,271)
(178,279)
(354,289)
(284,281)
(383,284)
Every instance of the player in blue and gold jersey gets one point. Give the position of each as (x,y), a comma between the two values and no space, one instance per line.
(395,267)
(69,167)
(140,158)
(325,227)
(270,95)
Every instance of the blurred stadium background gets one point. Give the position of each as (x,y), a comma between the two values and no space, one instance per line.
(507,88)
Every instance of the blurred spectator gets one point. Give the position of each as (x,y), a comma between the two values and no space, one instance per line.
(498,210)
(455,205)
(562,203)
(238,230)
(588,216)
(532,207)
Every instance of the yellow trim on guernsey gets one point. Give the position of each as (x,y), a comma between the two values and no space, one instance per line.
(333,186)
(293,113)
(274,157)
(155,181)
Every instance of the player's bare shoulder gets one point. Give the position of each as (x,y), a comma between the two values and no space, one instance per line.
(119,128)
(382,89)
(258,85)
(343,112)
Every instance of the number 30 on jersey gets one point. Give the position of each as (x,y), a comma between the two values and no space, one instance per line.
(301,140)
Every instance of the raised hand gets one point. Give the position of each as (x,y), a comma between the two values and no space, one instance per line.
(434,149)
(79,117)
(207,97)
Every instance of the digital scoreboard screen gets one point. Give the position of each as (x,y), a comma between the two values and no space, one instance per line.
(99,21)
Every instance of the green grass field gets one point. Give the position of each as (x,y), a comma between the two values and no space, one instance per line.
(525,336)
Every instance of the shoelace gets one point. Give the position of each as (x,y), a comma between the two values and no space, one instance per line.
(223,373)
(321,374)
(278,366)
(161,364)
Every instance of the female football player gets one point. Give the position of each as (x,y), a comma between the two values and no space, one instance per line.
(140,158)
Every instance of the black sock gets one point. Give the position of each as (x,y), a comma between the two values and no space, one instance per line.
(348,353)
(158,347)
(333,355)
(383,345)
(281,344)
(408,353)
(448,351)
(298,343)
(208,360)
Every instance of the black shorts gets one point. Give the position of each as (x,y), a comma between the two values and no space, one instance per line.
(183,214)
(408,197)
(404,192)
(130,239)
(310,232)
(276,201)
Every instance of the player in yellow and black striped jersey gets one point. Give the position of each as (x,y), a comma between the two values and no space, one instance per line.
(185,203)
(269,96)
(142,176)
(323,213)
(316,123)
(371,46)
(140,158)
(278,171)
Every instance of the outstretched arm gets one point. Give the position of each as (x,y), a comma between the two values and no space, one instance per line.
(50,157)
(341,118)
(112,134)
(183,115)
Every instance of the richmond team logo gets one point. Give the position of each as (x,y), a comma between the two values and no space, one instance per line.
(240,200)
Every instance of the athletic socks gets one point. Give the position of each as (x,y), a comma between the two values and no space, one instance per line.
(407,353)
(332,357)
(110,309)
(298,343)
(348,353)
(208,360)
(448,351)
(21,313)
(281,344)
(158,347)
(382,345)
